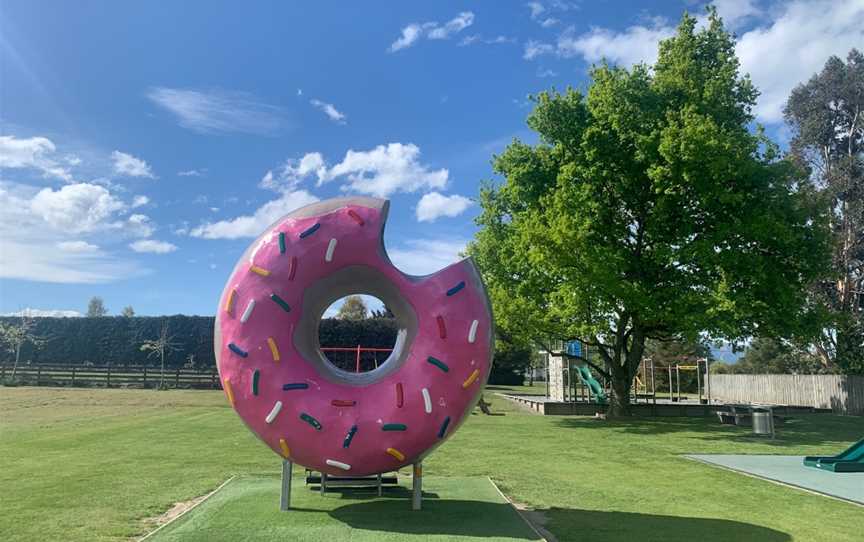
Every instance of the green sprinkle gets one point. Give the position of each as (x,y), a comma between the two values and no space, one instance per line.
(282,242)
(255,377)
(394,427)
(281,302)
(310,420)
(438,363)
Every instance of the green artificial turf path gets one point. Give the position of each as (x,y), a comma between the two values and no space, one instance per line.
(93,465)
(454,509)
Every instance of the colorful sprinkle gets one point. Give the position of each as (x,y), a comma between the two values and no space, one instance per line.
(338,464)
(286,451)
(456,288)
(310,420)
(396,453)
(295,386)
(394,427)
(331,246)
(274,412)
(399,396)
(438,363)
(310,231)
(470,380)
(229,303)
(237,350)
(281,242)
(357,218)
(427,401)
(293,268)
(274,350)
(443,430)
(248,312)
(442,329)
(281,302)
(349,436)
(472,333)
(259,271)
(340,402)
(255,377)
(226,383)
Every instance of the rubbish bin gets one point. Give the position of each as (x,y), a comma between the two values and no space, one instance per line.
(763,421)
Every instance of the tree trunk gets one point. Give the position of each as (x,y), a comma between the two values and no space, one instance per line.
(619,404)
(17,357)
(162,373)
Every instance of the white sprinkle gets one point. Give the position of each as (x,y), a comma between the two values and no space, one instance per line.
(272,416)
(473,333)
(427,401)
(338,464)
(248,312)
(330,248)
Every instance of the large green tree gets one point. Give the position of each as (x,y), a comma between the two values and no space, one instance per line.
(826,115)
(649,210)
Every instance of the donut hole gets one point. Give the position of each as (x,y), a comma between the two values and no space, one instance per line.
(357,333)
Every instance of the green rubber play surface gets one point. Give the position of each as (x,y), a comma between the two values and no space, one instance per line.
(247,508)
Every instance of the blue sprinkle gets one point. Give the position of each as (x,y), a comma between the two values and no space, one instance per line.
(443,430)
(456,288)
(310,231)
(349,437)
(295,386)
(237,350)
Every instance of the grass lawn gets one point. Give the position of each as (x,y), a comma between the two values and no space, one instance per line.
(79,464)
(454,509)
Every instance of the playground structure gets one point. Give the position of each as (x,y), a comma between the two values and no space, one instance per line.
(348,424)
(850,460)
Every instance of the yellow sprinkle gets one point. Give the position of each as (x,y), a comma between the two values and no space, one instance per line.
(471,378)
(229,303)
(229,391)
(259,271)
(273,350)
(396,453)
(285,450)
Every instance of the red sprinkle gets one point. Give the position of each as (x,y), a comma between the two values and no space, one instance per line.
(442,330)
(340,402)
(399,397)
(357,218)
(293,268)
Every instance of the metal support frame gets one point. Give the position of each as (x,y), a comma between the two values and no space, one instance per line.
(417,486)
(285,499)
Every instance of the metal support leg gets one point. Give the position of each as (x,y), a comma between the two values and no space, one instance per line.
(380,489)
(417,479)
(323,482)
(285,500)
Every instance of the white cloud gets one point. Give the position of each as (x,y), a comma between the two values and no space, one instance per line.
(253,225)
(546,73)
(130,166)
(435,205)
(153,246)
(413,32)
(139,201)
(77,247)
(31,153)
(477,38)
(330,110)
(192,173)
(45,313)
(425,256)
(537,9)
(292,172)
(217,111)
(736,12)
(139,225)
(534,48)
(635,44)
(76,208)
(386,169)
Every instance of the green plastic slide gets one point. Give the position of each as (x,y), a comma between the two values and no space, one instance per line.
(588,379)
(851,460)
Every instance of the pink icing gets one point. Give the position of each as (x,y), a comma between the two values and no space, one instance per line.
(376,403)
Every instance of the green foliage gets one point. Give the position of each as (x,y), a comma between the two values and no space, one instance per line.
(353,308)
(96,307)
(773,356)
(510,362)
(826,115)
(649,210)
(128,311)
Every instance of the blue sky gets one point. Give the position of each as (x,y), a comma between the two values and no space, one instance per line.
(143,145)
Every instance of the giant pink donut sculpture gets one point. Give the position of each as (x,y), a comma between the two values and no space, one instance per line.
(307,410)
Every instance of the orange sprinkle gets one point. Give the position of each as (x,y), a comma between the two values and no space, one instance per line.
(229,303)
(259,271)
(273,349)
(286,451)
(228,391)
(470,380)
(396,453)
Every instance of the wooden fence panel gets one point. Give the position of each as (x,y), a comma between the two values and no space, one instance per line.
(113,376)
(843,394)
